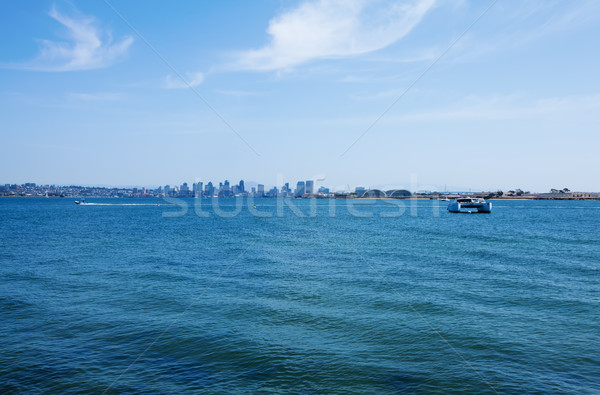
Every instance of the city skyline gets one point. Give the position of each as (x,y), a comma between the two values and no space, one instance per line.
(415,186)
(483,95)
(306,188)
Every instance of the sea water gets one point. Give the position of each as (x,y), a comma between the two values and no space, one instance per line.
(303,296)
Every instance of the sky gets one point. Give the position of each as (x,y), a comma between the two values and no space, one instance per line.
(422,94)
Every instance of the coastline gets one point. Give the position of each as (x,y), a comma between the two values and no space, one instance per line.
(518,198)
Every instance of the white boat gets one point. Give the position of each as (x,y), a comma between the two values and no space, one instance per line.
(79,202)
(464,205)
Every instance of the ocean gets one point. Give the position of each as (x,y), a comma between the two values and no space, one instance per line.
(304,296)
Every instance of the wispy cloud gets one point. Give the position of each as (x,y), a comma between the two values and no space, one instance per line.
(193,79)
(510,107)
(523,23)
(332,29)
(86,47)
(581,109)
(99,96)
(238,94)
(378,95)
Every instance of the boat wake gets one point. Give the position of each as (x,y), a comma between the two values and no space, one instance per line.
(125,204)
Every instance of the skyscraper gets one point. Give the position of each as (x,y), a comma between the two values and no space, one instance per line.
(184,190)
(241,188)
(310,187)
(198,189)
(285,190)
(300,188)
(209,189)
(261,190)
(225,190)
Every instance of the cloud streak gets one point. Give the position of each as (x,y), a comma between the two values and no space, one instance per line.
(524,23)
(193,79)
(580,108)
(327,29)
(99,96)
(87,47)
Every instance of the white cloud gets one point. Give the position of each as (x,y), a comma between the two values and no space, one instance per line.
(99,96)
(193,79)
(238,94)
(332,29)
(512,107)
(88,47)
(581,109)
(523,23)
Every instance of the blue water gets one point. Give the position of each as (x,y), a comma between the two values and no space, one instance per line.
(129,298)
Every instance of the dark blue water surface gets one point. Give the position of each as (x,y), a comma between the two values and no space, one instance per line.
(116,297)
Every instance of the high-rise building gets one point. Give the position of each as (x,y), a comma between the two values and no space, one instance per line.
(209,190)
(310,187)
(300,188)
(184,190)
(225,189)
(198,189)
(241,187)
(260,189)
(324,190)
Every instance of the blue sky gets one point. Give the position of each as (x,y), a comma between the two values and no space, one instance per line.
(285,90)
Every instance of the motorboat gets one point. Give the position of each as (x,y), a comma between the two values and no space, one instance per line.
(79,201)
(466,204)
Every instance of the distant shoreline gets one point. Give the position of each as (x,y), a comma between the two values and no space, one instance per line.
(518,198)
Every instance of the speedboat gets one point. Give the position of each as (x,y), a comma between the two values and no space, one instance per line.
(79,202)
(463,205)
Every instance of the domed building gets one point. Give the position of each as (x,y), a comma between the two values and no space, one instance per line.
(398,193)
(374,193)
